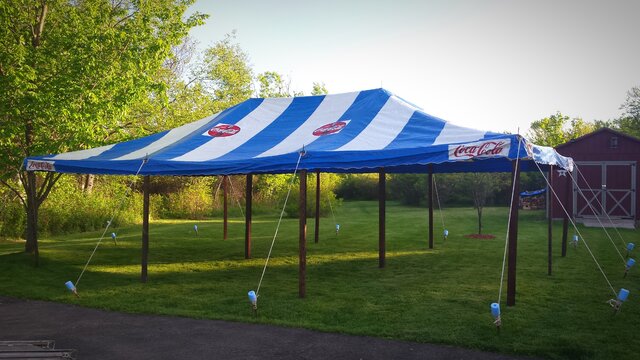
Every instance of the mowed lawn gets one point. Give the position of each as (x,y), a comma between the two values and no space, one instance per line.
(436,296)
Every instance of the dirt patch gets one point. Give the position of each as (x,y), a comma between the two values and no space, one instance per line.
(480,236)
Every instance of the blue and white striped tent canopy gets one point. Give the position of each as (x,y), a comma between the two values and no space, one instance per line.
(352,132)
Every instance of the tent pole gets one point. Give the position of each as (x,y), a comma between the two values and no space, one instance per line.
(303,235)
(513,236)
(550,227)
(381,217)
(145,228)
(565,219)
(225,212)
(430,204)
(317,229)
(247,220)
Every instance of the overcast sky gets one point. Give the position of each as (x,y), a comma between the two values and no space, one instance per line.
(488,64)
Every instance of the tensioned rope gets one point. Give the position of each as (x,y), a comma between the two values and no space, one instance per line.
(594,212)
(576,228)
(435,185)
(506,241)
(124,197)
(273,241)
(601,206)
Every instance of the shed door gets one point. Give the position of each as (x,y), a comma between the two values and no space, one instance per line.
(606,189)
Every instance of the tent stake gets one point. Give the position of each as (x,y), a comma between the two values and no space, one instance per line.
(550,225)
(513,237)
(247,220)
(145,228)
(430,204)
(303,235)
(225,183)
(317,229)
(381,217)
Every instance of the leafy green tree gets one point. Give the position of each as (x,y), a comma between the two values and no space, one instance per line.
(68,72)
(319,89)
(226,74)
(272,84)
(558,129)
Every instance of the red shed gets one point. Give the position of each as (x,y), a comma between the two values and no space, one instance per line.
(605,175)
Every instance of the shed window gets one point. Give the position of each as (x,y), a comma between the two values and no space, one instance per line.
(613,142)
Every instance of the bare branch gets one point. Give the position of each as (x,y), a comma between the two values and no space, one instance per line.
(15,191)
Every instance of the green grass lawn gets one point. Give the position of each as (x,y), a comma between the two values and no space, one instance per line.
(436,296)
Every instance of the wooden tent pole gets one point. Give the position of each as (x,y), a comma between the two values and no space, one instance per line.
(225,212)
(317,229)
(145,228)
(381,217)
(550,226)
(302,288)
(247,220)
(565,218)
(430,204)
(513,237)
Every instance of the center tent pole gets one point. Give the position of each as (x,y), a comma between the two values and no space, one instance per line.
(317,229)
(513,236)
(145,228)
(430,204)
(225,183)
(302,288)
(247,220)
(381,217)
(550,226)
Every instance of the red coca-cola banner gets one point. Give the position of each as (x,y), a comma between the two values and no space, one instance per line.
(34,165)
(332,128)
(223,130)
(480,149)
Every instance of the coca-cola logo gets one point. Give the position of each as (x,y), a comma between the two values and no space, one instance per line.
(33,165)
(223,130)
(479,149)
(331,128)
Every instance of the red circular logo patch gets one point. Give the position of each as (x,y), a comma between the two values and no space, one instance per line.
(329,129)
(223,130)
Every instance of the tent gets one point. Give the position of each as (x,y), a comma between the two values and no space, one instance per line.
(357,132)
(352,132)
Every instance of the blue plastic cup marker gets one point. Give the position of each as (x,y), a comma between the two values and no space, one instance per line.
(253,299)
(630,246)
(630,263)
(70,286)
(113,235)
(495,310)
(575,237)
(337,227)
(623,294)
(446,232)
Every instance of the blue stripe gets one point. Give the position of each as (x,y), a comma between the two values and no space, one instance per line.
(127,147)
(293,117)
(420,131)
(365,107)
(229,116)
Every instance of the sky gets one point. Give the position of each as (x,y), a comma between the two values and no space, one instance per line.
(488,64)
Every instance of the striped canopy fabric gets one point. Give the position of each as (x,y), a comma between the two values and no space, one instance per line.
(353,132)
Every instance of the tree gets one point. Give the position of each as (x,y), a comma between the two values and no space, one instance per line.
(226,74)
(558,129)
(68,72)
(319,89)
(481,184)
(629,123)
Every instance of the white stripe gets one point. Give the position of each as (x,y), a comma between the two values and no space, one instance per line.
(457,134)
(250,126)
(330,110)
(82,154)
(384,128)
(168,139)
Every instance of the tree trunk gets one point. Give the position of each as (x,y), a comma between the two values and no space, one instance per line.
(31,246)
(87,186)
(479,221)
